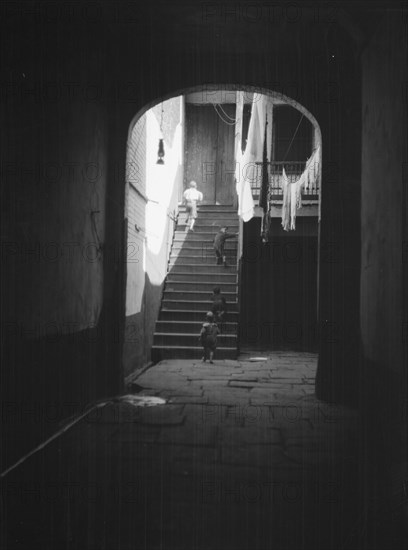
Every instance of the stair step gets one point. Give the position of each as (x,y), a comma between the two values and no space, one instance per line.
(192,315)
(191,327)
(187,352)
(208,263)
(204,256)
(193,240)
(201,227)
(201,286)
(231,297)
(224,217)
(193,305)
(203,236)
(185,272)
(201,245)
(211,208)
(203,273)
(190,339)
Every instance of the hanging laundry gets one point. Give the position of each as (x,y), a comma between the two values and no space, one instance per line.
(252,154)
(312,171)
(286,212)
(266,223)
(264,195)
(292,191)
(264,191)
(292,201)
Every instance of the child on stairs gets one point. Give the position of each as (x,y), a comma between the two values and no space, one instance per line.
(191,197)
(219,244)
(219,308)
(208,337)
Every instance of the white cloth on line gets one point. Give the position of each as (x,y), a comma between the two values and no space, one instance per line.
(247,170)
(292,192)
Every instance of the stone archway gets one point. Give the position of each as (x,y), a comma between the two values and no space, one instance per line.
(139,324)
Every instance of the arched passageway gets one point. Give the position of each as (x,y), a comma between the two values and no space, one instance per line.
(202,141)
(69,99)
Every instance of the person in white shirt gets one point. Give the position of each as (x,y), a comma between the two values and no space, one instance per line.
(191,197)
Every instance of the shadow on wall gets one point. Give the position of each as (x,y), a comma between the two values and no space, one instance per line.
(153,192)
(139,328)
(279,278)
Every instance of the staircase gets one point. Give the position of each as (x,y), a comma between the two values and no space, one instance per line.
(192,275)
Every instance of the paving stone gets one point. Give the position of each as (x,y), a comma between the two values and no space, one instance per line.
(160,415)
(261,396)
(241,384)
(160,380)
(307,456)
(285,373)
(189,434)
(309,391)
(208,380)
(137,432)
(231,363)
(256,455)
(274,386)
(226,397)
(121,413)
(184,399)
(189,390)
(160,454)
(249,435)
(289,427)
(249,376)
(193,455)
(141,451)
(219,471)
(212,385)
(233,415)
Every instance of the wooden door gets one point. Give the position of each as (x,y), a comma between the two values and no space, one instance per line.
(209,153)
(225,182)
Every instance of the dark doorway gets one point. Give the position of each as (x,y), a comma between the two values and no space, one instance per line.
(209,151)
(279,287)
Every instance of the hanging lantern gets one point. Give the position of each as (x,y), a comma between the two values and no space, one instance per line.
(160,152)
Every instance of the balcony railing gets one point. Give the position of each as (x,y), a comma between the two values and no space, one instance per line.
(293,172)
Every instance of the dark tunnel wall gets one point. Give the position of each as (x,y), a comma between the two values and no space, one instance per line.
(75,81)
(99,89)
(384,278)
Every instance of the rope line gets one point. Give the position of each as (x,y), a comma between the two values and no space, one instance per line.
(294,135)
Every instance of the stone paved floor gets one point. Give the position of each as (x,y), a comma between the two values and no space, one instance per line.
(240,457)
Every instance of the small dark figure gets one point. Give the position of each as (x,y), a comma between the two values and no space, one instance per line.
(208,337)
(219,308)
(219,243)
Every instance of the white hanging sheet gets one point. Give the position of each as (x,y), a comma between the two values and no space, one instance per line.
(246,167)
(292,192)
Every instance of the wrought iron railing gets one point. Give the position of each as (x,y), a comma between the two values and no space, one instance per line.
(293,171)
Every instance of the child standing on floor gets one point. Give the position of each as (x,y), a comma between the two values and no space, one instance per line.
(208,337)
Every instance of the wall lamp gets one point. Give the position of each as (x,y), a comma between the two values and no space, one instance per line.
(160,152)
